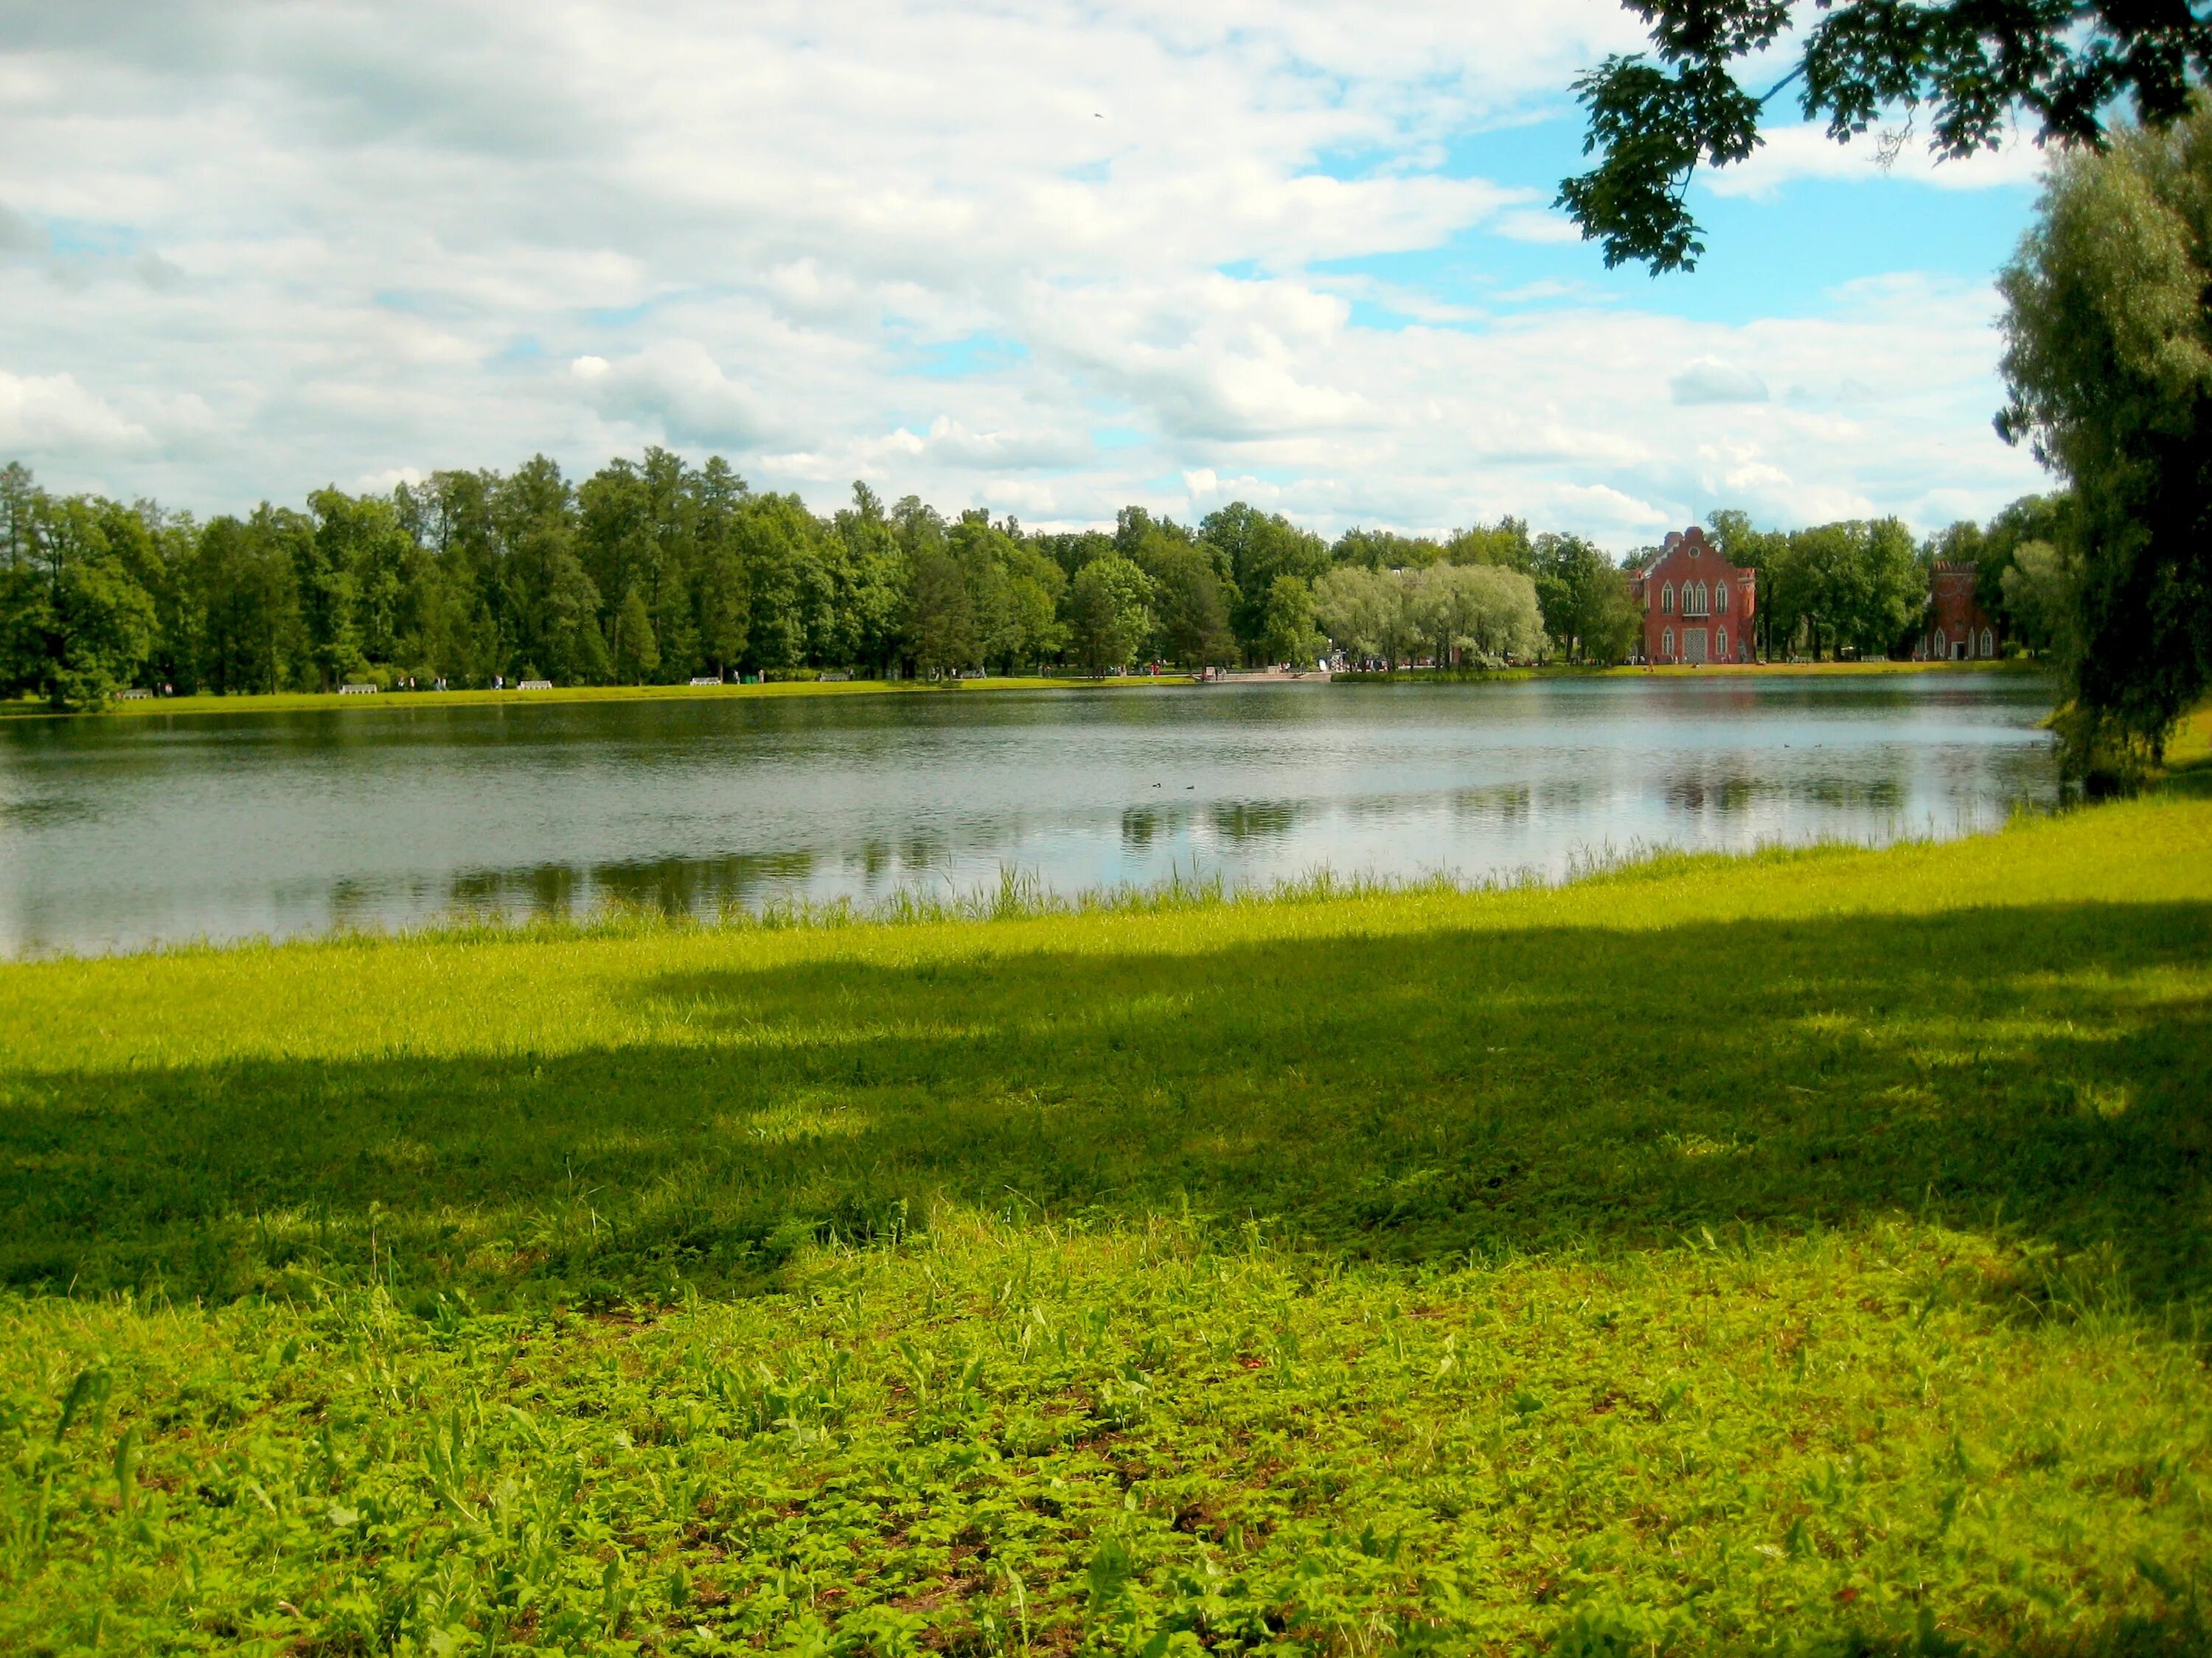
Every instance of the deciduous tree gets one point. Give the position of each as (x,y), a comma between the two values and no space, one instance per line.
(1965,67)
(2108,362)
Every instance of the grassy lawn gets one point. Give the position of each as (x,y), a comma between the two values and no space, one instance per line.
(296,701)
(1802,1255)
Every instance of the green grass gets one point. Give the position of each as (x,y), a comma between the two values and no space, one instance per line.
(1807,1254)
(297,701)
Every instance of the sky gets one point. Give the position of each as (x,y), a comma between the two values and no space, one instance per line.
(1046,258)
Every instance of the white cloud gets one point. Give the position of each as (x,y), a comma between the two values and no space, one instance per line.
(1711,380)
(936,246)
(679,389)
(1526,224)
(44,413)
(1805,151)
(53,416)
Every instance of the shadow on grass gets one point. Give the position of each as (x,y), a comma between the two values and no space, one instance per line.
(2046,1069)
(2175,1633)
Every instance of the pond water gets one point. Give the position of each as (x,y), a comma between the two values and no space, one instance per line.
(120,832)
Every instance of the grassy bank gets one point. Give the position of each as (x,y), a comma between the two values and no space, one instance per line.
(1841,669)
(1800,1254)
(1677,670)
(297,701)
(1752,670)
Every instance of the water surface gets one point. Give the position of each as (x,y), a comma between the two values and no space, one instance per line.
(117,832)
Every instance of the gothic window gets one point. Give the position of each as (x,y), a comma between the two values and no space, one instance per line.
(1666,643)
(1720,645)
(1988,644)
(1667,605)
(1720,597)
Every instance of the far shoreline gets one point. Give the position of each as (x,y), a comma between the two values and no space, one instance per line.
(209,702)
(202,702)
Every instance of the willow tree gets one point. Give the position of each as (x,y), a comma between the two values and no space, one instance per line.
(2108,366)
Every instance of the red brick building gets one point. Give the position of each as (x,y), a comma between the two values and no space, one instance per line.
(1958,628)
(1696,606)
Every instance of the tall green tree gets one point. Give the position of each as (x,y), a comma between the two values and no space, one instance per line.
(2108,365)
(943,619)
(2042,585)
(724,594)
(636,652)
(1574,583)
(329,591)
(252,636)
(1259,547)
(1192,602)
(20,496)
(89,625)
(1859,584)
(1110,618)
(1287,634)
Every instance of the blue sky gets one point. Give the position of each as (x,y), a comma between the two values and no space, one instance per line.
(1046,260)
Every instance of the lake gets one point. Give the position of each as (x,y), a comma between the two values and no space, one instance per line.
(116,832)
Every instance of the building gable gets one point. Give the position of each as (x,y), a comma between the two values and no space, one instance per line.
(1697,605)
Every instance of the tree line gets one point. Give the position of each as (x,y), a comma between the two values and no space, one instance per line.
(657,571)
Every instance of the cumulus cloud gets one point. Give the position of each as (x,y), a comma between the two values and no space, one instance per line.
(317,242)
(47,413)
(679,389)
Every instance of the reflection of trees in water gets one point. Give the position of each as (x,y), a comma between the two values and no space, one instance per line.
(553,888)
(1737,791)
(48,813)
(674,886)
(692,886)
(1499,803)
(352,903)
(1724,794)
(481,889)
(1869,793)
(1253,820)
